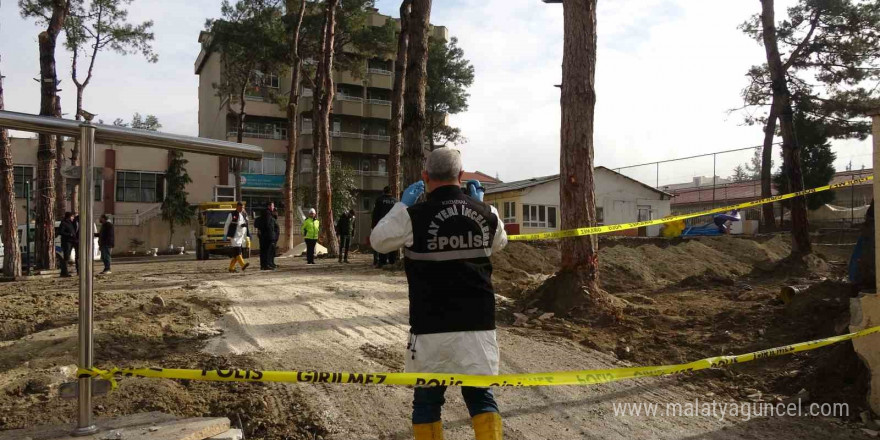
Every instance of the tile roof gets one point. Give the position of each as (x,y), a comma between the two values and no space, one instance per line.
(744,191)
(478,175)
(534,181)
(519,184)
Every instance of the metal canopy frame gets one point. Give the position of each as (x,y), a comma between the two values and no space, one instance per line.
(88,134)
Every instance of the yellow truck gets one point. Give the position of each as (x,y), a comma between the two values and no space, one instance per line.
(212,237)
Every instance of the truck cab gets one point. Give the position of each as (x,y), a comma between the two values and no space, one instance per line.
(211,238)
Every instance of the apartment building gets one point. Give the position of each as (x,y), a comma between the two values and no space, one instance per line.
(359,126)
(131,186)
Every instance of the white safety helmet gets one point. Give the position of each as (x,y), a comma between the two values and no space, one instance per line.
(312,211)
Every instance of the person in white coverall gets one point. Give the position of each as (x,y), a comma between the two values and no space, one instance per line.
(448,240)
(237,230)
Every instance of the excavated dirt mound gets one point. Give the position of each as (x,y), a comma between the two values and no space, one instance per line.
(696,298)
(628,264)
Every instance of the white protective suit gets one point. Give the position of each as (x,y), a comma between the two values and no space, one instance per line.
(238,240)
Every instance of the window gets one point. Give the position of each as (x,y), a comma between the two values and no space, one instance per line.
(644,212)
(509,212)
(136,186)
(306,163)
(269,80)
(379,64)
(337,126)
(272,164)
(600,215)
(265,130)
(381,167)
(224,194)
(365,165)
(366,204)
(539,216)
(20,176)
(306,124)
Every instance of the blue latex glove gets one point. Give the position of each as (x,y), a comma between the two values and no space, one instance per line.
(476,190)
(412,193)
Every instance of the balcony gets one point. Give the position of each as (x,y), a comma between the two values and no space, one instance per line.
(348,105)
(261,106)
(380,78)
(269,144)
(378,109)
(365,180)
(344,141)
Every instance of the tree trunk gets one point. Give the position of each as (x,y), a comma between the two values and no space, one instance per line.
(414,92)
(325,207)
(74,154)
(397,100)
(769,218)
(575,288)
(316,138)
(236,162)
(292,133)
(12,257)
(44,233)
(791,154)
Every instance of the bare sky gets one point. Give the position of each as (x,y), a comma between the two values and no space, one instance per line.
(668,71)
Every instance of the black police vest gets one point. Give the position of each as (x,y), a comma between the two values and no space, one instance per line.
(448,266)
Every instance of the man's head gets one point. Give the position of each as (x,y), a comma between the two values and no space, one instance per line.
(313,213)
(442,168)
(239,207)
(351,213)
(271,207)
(104,218)
(386,190)
(68,215)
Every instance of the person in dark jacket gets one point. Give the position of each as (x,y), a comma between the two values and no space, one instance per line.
(106,242)
(382,206)
(344,229)
(267,225)
(67,231)
(448,243)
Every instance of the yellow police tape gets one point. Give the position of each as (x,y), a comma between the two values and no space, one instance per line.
(580,377)
(624,226)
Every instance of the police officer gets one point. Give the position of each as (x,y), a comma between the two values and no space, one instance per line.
(381,208)
(448,240)
(311,231)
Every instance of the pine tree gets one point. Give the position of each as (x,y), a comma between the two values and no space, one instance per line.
(175,208)
(103,26)
(449,76)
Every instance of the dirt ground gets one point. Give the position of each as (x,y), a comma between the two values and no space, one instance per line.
(685,300)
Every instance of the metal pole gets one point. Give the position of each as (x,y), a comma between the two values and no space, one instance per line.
(658,175)
(713,179)
(852,203)
(86,252)
(27,223)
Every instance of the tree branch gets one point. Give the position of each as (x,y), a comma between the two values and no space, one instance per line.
(800,48)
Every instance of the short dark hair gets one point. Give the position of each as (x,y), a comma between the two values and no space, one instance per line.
(386,190)
(239,204)
(67,214)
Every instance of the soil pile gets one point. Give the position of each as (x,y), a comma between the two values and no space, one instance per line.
(628,264)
